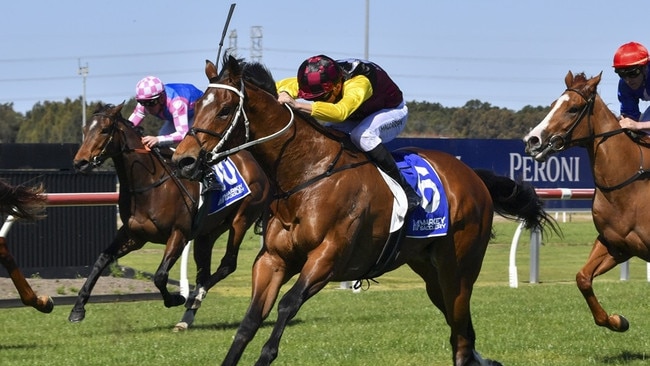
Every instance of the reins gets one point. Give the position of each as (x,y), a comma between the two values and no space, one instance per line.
(214,155)
(167,174)
(559,142)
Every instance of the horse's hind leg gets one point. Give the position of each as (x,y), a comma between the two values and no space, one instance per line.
(449,287)
(600,261)
(120,246)
(42,303)
(202,257)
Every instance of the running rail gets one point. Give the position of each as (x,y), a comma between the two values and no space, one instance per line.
(536,236)
(100,199)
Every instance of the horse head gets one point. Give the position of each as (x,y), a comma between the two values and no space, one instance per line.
(221,126)
(562,127)
(102,138)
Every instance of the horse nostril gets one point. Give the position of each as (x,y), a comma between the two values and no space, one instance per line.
(186,162)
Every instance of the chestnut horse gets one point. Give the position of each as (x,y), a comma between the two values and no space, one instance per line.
(156,206)
(22,203)
(330,219)
(620,160)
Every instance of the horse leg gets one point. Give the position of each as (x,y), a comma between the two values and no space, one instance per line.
(42,303)
(203,245)
(120,246)
(268,276)
(449,286)
(314,275)
(600,261)
(173,250)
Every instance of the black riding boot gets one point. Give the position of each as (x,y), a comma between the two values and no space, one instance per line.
(385,161)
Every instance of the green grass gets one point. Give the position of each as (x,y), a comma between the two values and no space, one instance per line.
(392,323)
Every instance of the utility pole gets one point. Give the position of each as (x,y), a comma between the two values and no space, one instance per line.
(83,71)
(256,43)
(232,44)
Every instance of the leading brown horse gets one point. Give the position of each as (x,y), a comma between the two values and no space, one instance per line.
(156,206)
(22,203)
(620,162)
(330,219)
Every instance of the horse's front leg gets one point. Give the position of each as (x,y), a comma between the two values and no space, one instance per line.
(314,276)
(119,247)
(268,276)
(173,250)
(42,303)
(600,261)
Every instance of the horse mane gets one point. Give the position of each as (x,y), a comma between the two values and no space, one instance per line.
(579,80)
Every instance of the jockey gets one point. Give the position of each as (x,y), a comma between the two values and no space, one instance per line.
(631,65)
(173,103)
(356,97)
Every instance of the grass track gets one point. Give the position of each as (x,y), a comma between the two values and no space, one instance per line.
(391,324)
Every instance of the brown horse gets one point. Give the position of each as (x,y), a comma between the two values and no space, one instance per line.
(620,160)
(22,203)
(330,219)
(156,206)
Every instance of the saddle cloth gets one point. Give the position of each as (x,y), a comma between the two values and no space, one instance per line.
(236,187)
(430,219)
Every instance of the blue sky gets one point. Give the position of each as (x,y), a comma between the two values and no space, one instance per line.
(509,53)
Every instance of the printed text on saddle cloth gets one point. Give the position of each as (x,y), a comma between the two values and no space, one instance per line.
(236,188)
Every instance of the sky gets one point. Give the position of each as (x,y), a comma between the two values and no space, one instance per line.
(509,53)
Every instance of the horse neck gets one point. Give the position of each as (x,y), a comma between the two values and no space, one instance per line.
(135,167)
(613,158)
(301,150)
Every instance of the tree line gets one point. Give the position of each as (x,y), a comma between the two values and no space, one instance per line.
(61,122)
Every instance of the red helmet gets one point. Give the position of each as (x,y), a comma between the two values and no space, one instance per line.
(317,76)
(630,54)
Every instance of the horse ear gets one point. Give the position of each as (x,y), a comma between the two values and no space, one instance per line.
(568,79)
(592,83)
(210,70)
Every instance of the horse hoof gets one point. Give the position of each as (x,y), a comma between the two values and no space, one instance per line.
(48,305)
(623,325)
(76,316)
(180,327)
(175,300)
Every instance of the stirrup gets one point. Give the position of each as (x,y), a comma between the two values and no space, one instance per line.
(211,183)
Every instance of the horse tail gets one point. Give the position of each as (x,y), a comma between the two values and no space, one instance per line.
(23,202)
(517,200)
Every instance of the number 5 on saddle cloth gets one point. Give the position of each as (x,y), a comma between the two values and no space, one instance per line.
(431,218)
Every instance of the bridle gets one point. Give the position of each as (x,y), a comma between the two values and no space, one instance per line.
(559,142)
(99,159)
(214,156)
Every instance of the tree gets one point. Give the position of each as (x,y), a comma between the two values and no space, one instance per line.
(10,122)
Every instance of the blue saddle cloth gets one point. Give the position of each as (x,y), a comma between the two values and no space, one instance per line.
(236,187)
(431,217)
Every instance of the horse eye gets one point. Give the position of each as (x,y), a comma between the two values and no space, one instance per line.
(105,130)
(573,110)
(224,112)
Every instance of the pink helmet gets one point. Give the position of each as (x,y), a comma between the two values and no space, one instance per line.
(630,54)
(149,87)
(317,76)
